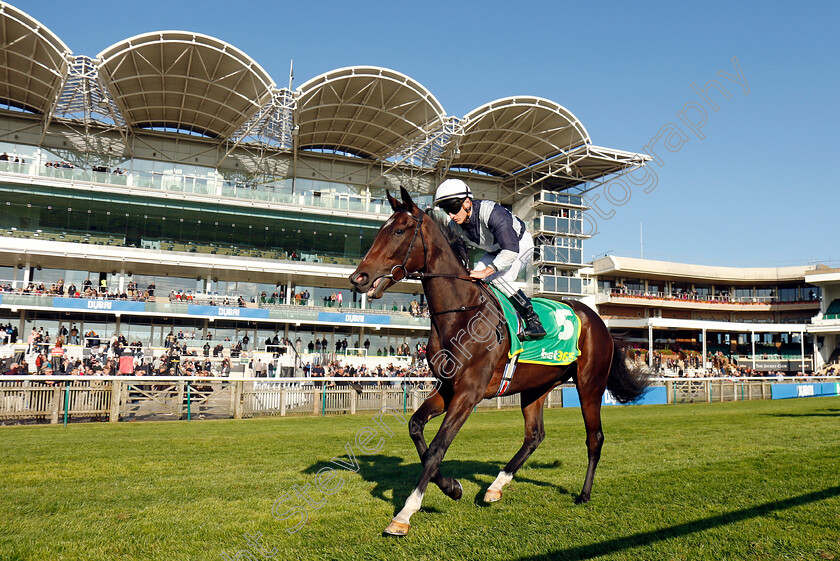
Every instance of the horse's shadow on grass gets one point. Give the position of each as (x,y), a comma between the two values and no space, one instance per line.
(390,473)
(643,539)
(817,413)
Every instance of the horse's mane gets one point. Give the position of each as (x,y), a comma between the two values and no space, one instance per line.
(458,246)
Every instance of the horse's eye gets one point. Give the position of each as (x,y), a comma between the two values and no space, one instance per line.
(399,232)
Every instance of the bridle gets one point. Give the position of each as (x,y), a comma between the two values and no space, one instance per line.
(420,274)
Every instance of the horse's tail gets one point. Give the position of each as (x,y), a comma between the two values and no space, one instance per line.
(626,382)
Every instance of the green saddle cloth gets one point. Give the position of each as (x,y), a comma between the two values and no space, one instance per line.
(558,347)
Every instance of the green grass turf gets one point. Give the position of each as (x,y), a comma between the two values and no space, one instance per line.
(753,480)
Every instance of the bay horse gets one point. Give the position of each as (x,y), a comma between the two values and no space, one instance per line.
(468,350)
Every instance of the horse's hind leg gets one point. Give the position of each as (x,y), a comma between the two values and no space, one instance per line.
(431,408)
(532,410)
(590,404)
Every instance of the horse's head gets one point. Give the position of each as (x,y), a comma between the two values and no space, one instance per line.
(399,249)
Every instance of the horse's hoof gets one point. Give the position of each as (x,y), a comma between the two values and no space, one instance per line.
(395,528)
(492,495)
(457,491)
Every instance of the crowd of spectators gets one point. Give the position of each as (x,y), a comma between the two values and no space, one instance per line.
(338,369)
(88,289)
(5,157)
(722,296)
(103,355)
(689,364)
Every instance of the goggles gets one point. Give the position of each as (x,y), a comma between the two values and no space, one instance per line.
(451,206)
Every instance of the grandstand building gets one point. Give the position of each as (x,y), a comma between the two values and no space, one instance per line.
(761,317)
(825,326)
(193,194)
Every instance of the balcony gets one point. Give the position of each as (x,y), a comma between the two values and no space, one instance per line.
(549,200)
(550,284)
(695,302)
(564,257)
(559,225)
(278,192)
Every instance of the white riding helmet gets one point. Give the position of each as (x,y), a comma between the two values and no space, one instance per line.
(452,189)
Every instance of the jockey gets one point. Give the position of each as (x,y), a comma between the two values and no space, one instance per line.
(508,245)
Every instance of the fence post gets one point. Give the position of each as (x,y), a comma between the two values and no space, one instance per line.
(415,401)
(498,403)
(232,405)
(114,413)
(66,400)
(237,402)
(283,402)
(56,403)
(180,398)
(384,399)
(316,399)
(353,402)
(708,391)
(670,392)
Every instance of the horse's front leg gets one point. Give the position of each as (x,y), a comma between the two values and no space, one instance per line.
(433,406)
(459,409)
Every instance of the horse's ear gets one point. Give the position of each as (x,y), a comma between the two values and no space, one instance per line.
(406,197)
(395,204)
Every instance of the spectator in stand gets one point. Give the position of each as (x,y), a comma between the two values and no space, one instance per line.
(31,340)
(74,335)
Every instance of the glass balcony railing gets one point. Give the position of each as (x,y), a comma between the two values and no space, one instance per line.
(59,235)
(551,284)
(279,192)
(550,197)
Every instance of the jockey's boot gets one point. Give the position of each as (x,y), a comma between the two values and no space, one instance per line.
(533,327)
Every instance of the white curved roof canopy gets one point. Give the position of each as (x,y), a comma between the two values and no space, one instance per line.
(513,133)
(363,110)
(184,81)
(33,62)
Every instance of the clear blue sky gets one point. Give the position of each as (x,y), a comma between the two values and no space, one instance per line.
(759,190)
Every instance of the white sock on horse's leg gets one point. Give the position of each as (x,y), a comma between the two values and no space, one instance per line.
(412,505)
(501,480)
